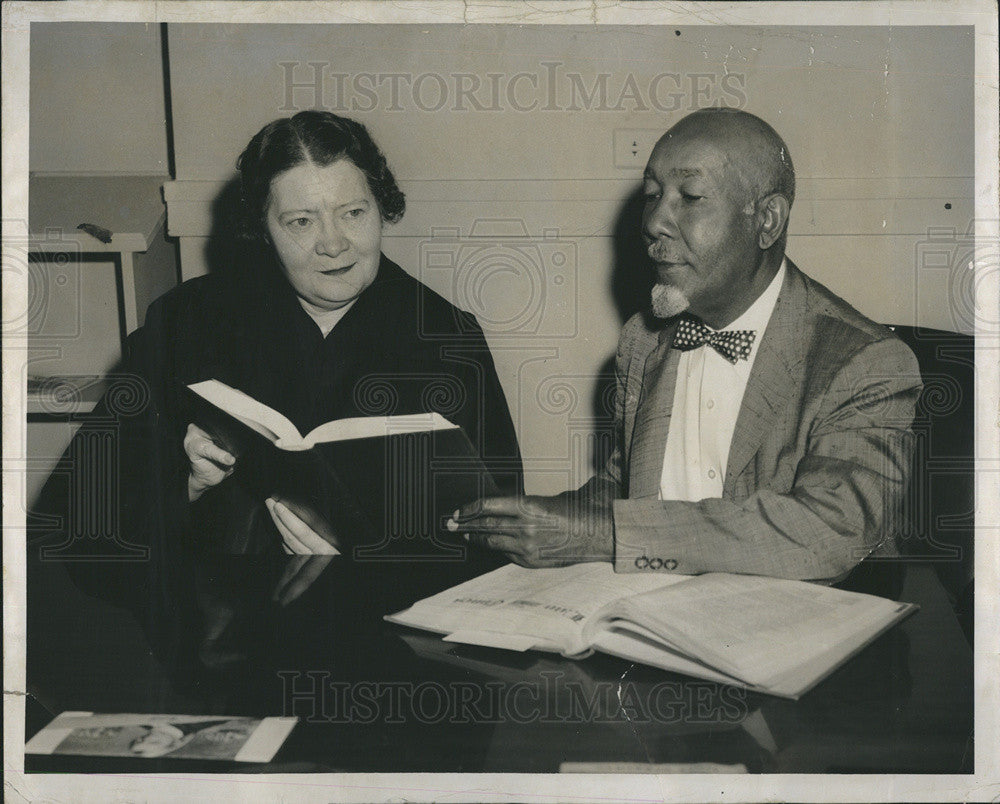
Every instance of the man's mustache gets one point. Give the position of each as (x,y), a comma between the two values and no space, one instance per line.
(661,251)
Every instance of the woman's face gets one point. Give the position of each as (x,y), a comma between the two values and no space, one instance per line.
(326,228)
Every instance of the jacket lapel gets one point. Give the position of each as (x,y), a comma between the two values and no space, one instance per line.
(771,380)
(652,419)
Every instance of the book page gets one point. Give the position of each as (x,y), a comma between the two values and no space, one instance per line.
(256,415)
(637,644)
(375,426)
(819,664)
(745,625)
(550,605)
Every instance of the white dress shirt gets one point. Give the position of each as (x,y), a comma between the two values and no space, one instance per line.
(707,401)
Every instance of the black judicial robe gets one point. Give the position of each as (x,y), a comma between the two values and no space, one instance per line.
(400,349)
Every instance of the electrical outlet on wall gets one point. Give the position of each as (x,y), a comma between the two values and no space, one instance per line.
(632,146)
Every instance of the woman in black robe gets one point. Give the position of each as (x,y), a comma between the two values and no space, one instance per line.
(312,320)
(308,317)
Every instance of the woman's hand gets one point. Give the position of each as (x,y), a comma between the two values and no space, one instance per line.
(297,537)
(210,464)
(300,573)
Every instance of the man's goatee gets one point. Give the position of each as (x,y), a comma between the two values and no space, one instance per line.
(668,300)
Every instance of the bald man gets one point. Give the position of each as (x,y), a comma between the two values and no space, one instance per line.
(762,424)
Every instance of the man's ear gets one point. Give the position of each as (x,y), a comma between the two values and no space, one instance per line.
(772,218)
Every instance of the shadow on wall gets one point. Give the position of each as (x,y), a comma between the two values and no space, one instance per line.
(225,248)
(630,282)
(632,276)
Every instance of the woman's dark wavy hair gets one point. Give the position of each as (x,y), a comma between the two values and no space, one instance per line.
(320,138)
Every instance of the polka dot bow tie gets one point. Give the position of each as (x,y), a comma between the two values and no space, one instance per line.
(731,344)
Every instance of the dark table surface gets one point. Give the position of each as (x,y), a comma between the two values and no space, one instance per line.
(223,635)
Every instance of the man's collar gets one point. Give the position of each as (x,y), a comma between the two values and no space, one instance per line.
(756,316)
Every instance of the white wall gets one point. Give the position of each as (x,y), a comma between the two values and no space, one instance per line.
(517,215)
(96,108)
(97,100)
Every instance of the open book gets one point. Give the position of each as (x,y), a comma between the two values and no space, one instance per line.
(770,635)
(384,485)
(283,434)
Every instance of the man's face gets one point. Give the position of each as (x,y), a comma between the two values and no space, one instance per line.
(326,228)
(699,229)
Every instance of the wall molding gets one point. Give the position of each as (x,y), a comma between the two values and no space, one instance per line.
(872,207)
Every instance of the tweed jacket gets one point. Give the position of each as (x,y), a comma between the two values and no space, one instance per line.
(819,458)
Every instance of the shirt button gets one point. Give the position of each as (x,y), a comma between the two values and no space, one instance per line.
(711,473)
(710,404)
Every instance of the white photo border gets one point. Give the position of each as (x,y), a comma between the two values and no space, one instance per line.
(983,785)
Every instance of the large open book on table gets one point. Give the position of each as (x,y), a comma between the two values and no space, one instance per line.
(384,485)
(775,636)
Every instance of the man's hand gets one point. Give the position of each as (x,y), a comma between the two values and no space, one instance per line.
(296,536)
(210,464)
(540,531)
